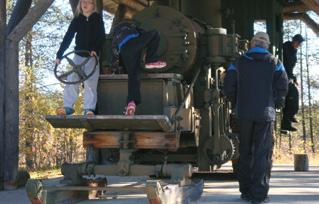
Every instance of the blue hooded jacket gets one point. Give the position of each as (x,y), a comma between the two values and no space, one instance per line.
(256,84)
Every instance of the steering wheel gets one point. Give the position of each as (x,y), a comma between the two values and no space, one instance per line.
(62,72)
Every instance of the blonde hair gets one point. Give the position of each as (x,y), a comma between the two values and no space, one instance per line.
(79,11)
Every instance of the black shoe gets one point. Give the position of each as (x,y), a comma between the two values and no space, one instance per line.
(246,197)
(256,201)
(288,128)
(294,120)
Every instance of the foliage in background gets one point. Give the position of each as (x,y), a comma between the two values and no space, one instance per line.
(287,145)
(42,146)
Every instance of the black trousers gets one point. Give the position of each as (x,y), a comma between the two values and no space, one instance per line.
(291,105)
(255,149)
(131,57)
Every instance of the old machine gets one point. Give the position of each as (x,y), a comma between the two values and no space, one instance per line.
(183,123)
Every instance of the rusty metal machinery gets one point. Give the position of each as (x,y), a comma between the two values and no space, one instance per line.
(183,120)
(188,91)
(183,117)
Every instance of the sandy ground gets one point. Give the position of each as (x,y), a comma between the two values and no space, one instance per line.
(287,186)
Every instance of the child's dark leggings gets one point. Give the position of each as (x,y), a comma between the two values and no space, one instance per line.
(131,56)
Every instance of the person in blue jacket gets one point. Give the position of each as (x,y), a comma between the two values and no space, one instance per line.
(256,85)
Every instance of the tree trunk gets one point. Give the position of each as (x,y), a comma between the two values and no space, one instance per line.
(9,90)
(20,10)
(2,83)
(11,147)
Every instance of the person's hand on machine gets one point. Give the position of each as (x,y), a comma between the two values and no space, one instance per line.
(57,61)
(93,54)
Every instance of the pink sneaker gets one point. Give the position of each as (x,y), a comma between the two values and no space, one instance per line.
(130,108)
(156,65)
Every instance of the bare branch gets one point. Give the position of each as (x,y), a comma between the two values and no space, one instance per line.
(305,18)
(29,20)
(20,10)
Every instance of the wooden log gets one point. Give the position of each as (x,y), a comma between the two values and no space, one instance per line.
(38,194)
(301,162)
(139,140)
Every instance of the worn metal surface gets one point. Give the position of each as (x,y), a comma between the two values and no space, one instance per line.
(73,172)
(113,122)
(159,92)
(178,36)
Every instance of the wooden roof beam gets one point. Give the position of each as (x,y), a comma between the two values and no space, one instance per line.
(295,7)
(305,18)
(135,5)
(312,5)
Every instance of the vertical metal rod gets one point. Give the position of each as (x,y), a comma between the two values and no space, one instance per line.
(191,86)
(290,143)
(302,96)
(309,96)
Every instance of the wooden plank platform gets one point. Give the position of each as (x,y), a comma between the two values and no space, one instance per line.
(113,122)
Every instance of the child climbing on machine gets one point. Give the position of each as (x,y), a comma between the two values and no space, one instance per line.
(131,45)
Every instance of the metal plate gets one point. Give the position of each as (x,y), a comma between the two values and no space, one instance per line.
(113,122)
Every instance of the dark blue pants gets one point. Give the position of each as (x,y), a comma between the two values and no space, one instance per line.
(131,57)
(255,149)
(291,105)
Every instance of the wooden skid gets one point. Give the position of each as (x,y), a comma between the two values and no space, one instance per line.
(157,193)
(39,195)
(138,140)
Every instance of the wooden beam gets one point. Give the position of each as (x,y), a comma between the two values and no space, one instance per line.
(312,5)
(135,5)
(139,140)
(305,18)
(29,20)
(295,7)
